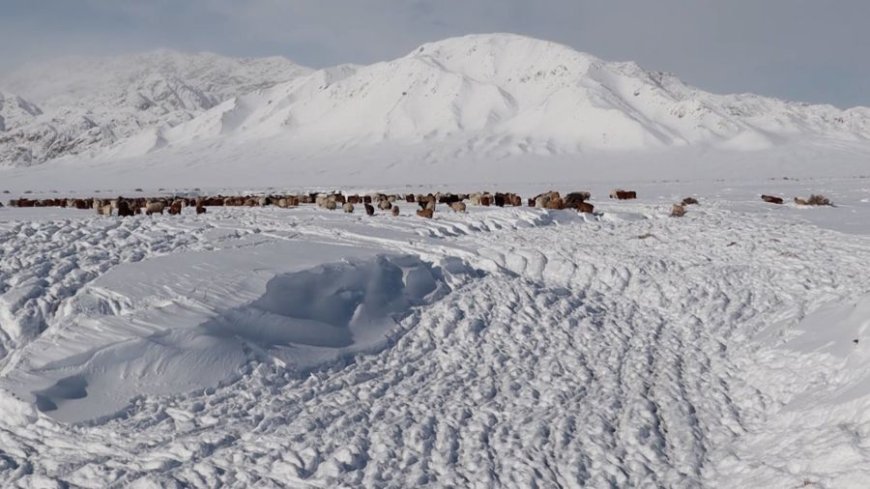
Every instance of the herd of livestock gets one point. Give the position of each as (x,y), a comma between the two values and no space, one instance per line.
(578,201)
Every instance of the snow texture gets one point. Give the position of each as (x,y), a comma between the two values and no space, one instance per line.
(499,348)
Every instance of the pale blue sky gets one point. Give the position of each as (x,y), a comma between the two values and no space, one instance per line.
(810,50)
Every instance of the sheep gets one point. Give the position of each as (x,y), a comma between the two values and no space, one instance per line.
(154,207)
(585,207)
(574,199)
(175,208)
(104,210)
(556,202)
(395,210)
(771,199)
(623,194)
(458,206)
(124,209)
(347,207)
(678,210)
(426,213)
(814,200)
(331,205)
(384,205)
(370,209)
(200,209)
(690,201)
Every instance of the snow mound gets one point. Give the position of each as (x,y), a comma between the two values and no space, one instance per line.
(161,341)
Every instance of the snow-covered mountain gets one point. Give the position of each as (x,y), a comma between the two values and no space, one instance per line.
(506,94)
(478,97)
(82,105)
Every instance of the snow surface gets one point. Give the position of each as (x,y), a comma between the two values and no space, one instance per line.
(501,348)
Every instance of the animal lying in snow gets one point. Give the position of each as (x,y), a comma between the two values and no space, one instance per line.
(771,199)
(623,194)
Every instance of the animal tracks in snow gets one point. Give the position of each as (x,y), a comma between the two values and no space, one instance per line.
(560,350)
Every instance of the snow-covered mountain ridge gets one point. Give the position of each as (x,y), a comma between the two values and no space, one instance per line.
(83,105)
(483,96)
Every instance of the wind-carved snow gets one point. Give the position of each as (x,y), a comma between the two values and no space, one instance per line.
(625,349)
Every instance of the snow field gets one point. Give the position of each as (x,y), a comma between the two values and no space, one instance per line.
(627,350)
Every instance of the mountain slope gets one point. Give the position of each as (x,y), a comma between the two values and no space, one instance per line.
(468,99)
(506,94)
(91,103)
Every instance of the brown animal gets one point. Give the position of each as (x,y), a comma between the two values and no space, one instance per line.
(585,207)
(395,210)
(623,194)
(427,213)
(458,206)
(814,200)
(771,199)
(690,201)
(678,210)
(175,208)
(409,198)
(348,208)
(556,202)
(574,199)
(385,204)
(105,210)
(200,209)
(370,209)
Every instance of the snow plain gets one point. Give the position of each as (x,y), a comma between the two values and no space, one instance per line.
(499,348)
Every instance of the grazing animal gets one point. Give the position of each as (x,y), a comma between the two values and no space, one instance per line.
(585,207)
(427,213)
(485,200)
(574,199)
(771,199)
(384,204)
(395,210)
(331,205)
(690,201)
(678,210)
(154,208)
(175,208)
(370,209)
(556,202)
(354,199)
(623,194)
(410,199)
(458,206)
(124,209)
(814,200)
(348,208)
(105,210)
